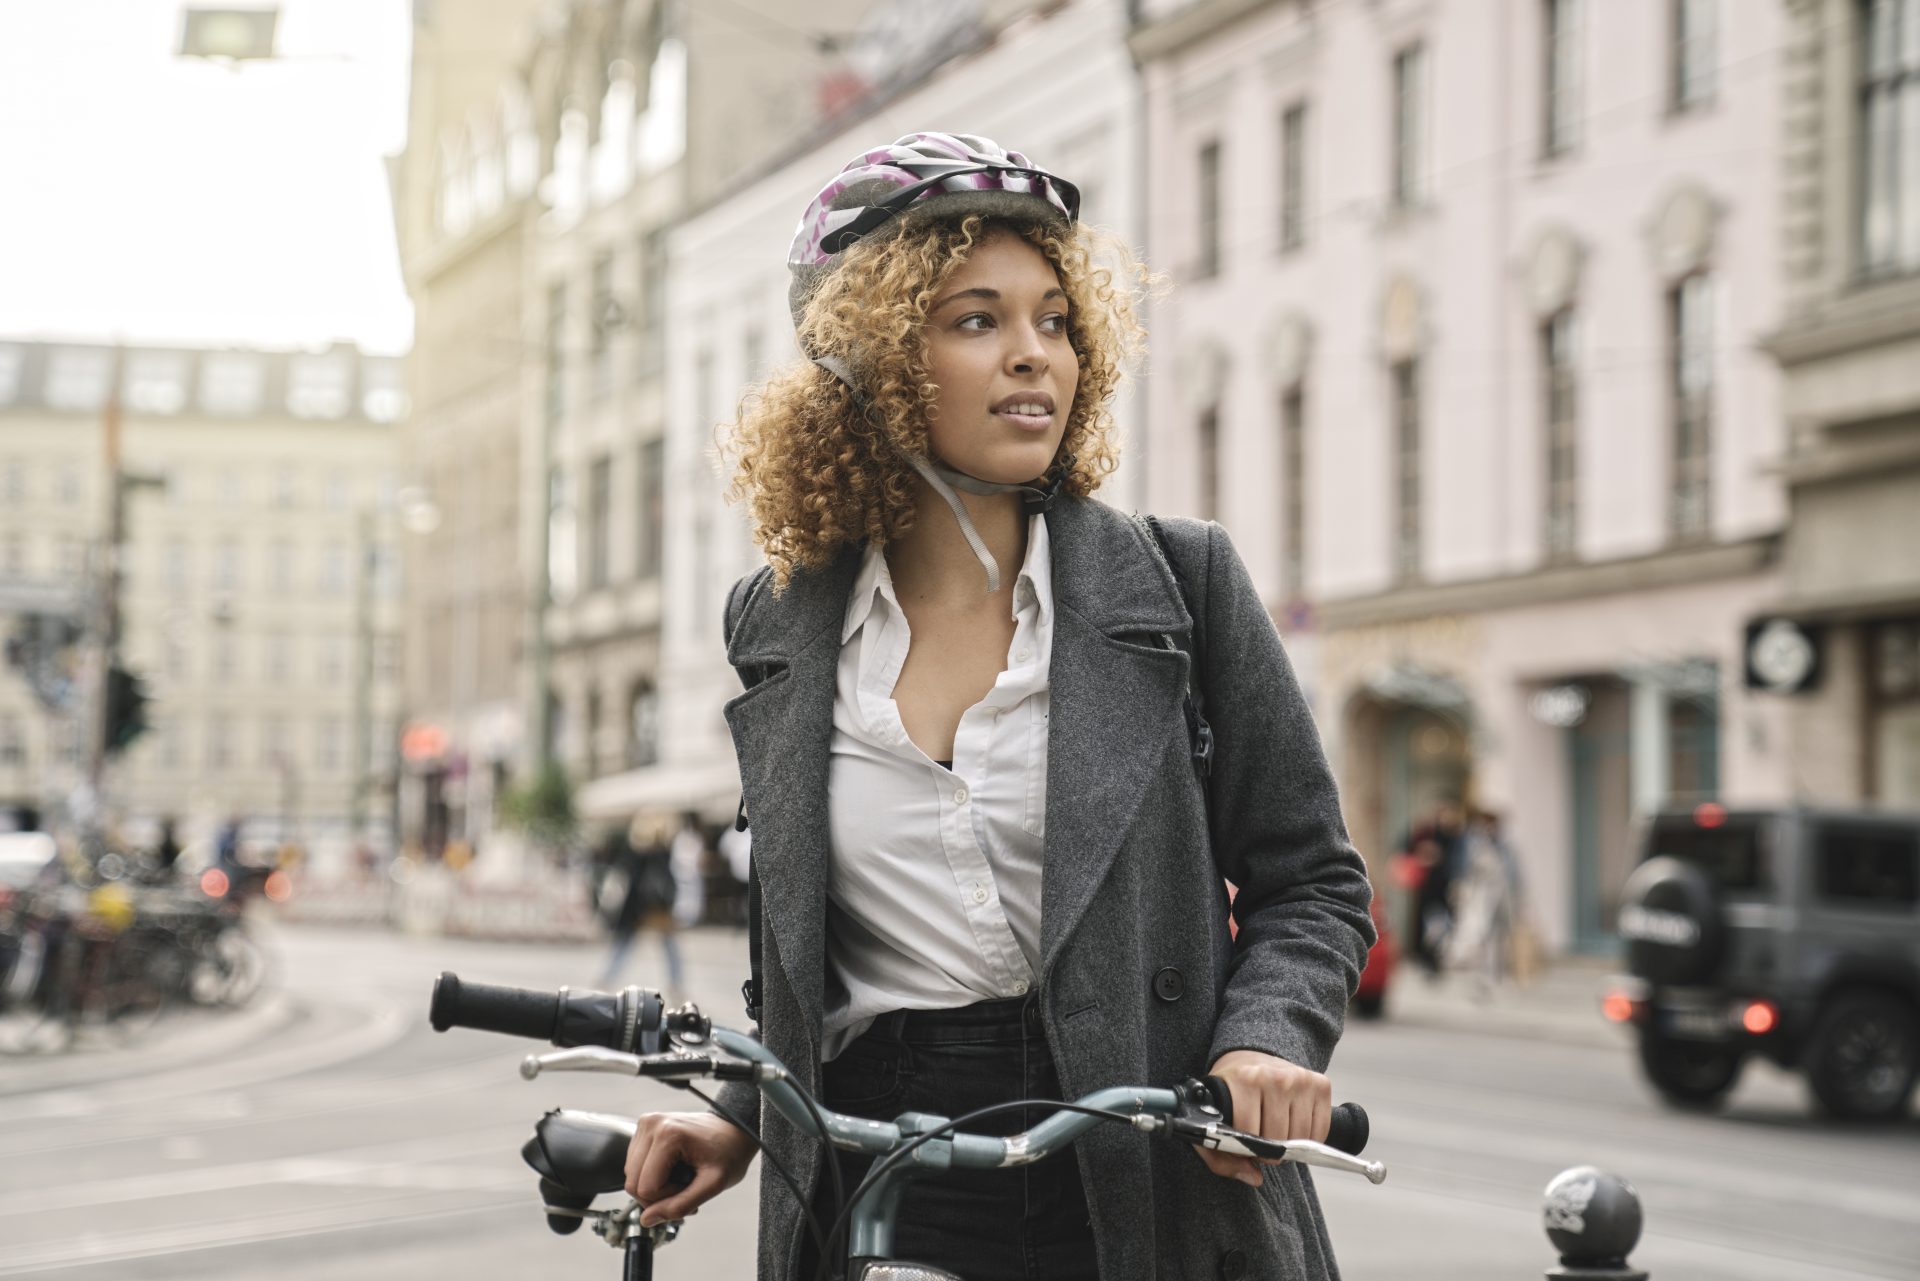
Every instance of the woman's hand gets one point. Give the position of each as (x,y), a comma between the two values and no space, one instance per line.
(718,1151)
(1274,1099)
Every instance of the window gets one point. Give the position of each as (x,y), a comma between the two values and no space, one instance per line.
(326,752)
(1209,434)
(13,553)
(386,657)
(1409,126)
(1559,411)
(281,567)
(1406,441)
(13,362)
(1562,77)
(179,566)
(335,569)
(156,382)
(556,352)
(1208,188)
(273,736)
(1690,339)
(66,484)
(333,660)
(653,506)
(279,660)
(13,744)
(643,724)
(1868,866)
(320,386)
(232,384)
(1696,48)
(219,741)
(383,396)
(1293,494)
(1890,136)
(13,482)
(78,379)
(224,664)
(593,733)
(226,566)
(605,318)
(1293,176)
(339,491)
(651,352)
(599,517)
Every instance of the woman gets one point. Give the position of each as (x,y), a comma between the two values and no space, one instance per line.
(984,852)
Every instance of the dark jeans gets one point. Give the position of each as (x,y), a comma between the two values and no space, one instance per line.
(1022,1224)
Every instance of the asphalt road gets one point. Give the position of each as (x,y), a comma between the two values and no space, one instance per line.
(329,1133)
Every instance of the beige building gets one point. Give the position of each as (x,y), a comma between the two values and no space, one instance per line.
(259,582)
(666,106)
(465,208)
(1850,354)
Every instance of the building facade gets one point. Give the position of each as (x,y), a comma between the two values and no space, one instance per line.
(1464,349)
(260,596)
(1052,81)
(465,206)
(1849,353)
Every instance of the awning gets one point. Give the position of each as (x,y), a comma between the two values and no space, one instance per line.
(710,788)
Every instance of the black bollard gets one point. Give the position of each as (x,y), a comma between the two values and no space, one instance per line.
(1593,1220)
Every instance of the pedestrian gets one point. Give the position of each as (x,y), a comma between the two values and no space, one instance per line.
(637,893)
(688,858)
(979,700)
(166,848)
(1486,903)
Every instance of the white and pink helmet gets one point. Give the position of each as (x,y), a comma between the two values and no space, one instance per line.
(956,173)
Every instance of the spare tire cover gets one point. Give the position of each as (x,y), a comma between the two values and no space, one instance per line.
(1670,918)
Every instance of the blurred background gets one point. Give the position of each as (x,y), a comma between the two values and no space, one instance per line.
(1554,365)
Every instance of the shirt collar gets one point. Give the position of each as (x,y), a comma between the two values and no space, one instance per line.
(875,581)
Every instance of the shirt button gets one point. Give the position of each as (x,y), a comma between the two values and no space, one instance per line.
(960,796)
(1024,655)
(979,893)
(1019,987)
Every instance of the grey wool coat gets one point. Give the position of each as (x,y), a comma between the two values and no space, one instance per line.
(1140,982)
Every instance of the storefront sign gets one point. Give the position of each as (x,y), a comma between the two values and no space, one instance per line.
(1783,657)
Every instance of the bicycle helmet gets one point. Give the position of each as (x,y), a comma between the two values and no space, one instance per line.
(875,195)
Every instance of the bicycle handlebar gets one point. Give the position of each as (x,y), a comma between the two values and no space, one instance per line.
(628,1033)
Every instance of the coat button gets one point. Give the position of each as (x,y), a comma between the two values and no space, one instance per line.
(1169,985)
(1233,1265)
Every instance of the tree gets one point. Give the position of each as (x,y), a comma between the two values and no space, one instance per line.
(542,807)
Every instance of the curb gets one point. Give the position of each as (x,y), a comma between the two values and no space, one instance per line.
(179,1041)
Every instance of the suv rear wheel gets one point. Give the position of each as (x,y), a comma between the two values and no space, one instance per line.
(1689,1074)
(1864,1056)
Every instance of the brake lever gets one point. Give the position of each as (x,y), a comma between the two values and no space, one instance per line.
(675,1068)
(1223,1138)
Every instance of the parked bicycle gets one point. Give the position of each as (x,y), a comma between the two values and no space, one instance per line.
(581,1155)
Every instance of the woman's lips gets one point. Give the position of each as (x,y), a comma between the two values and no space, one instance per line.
(1026,422)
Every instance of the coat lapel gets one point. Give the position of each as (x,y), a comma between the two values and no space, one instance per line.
(783,736)
(1115,692)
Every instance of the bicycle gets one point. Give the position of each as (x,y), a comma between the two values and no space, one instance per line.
(581,1155)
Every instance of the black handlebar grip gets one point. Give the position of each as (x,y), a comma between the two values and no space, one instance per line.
(1348,1131)
(512,1010)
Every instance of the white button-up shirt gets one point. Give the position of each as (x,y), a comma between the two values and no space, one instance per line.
(933,896)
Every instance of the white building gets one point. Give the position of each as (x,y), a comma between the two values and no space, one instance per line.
(1054,82)
(260,594)
(1465,352)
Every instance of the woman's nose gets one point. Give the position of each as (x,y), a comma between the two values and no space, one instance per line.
(1027,354)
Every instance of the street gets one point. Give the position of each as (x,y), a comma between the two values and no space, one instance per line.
(329,1133)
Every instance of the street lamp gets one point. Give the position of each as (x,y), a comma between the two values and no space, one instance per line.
(229,35)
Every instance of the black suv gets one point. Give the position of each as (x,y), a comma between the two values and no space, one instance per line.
(1791,933)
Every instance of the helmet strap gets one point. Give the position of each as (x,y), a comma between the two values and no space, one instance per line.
(1035,499)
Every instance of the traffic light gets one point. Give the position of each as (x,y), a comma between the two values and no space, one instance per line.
(126,709)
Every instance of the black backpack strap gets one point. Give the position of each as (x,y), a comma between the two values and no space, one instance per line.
(1198,731)
(738,599)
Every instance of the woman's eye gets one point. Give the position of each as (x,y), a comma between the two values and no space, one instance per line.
(966,322)
(1055,324)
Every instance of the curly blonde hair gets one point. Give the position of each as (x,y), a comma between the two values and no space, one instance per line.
(820,470)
